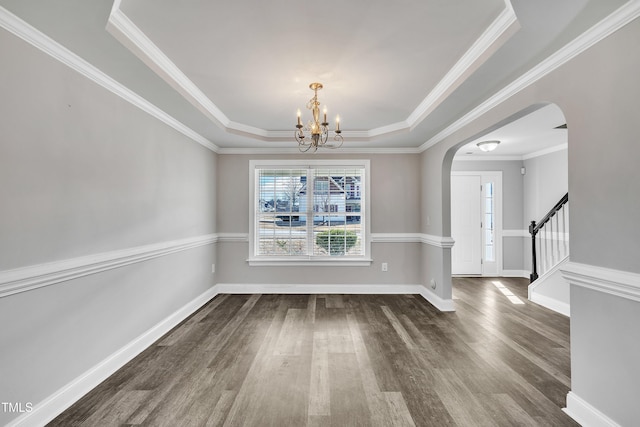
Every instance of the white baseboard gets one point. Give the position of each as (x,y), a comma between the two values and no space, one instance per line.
(264,288)
(516,273)
(551,304)
(436,301)
(585,414)
(45,411)
(253,288)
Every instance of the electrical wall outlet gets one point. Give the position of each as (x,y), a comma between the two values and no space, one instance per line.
(213,268)
(385,266)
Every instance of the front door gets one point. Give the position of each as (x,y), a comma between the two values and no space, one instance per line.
(476,223)
(466,227)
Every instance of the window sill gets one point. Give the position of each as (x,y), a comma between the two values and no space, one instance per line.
(307,262)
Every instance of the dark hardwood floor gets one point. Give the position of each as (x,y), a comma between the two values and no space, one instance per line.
(347,360)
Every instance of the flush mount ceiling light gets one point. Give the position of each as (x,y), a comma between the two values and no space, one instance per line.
(318,132)
(488,145)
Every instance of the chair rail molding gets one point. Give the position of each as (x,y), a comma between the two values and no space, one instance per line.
(622,284)
(36,276)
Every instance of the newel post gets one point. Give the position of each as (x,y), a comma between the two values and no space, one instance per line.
(534,269)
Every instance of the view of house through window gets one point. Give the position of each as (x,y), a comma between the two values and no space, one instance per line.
(309,212)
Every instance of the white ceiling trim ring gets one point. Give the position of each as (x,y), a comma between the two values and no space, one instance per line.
(34,37)
(616,20)
(132,37)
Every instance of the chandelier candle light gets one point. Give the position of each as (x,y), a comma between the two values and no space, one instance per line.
(319,132)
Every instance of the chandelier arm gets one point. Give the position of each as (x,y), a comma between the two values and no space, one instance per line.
(318,131)
(304,147)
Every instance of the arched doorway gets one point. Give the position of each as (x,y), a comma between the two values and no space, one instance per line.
(496,194)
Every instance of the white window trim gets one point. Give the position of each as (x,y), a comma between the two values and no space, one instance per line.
(363,260)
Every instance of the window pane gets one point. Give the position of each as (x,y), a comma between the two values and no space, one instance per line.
(281,190)
(281,235)
(285,222)
(488,255)
(337,236)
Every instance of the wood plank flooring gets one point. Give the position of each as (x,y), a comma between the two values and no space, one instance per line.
(347,360)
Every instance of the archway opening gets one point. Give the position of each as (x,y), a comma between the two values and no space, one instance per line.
(492,197)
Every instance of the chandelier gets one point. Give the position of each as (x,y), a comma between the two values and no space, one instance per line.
(318,132)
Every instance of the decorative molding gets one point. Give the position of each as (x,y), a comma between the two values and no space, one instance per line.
(550,150)
(40,275)
(345,149)
(428,239)
(515,233)
(121,27)
(435,300)
(233,237)
(280,288)
(551,303)
(39,40)
(460,157)
(309,262)
(616,20)
(612,282)
(396,238)
(438,241)
(515,273)
(471,58)
(261,288)
(45,411)
(585,414)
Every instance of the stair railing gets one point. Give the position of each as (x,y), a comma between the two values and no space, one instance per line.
(552,237)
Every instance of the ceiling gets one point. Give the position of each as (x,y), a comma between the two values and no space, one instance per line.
(538,132)
(397,73)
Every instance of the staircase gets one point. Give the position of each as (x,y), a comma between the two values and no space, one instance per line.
(549,251)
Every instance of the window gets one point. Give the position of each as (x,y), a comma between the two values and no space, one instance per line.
(312,212)
(489,223)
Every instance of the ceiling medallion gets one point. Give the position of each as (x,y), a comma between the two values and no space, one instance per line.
(487,145)
(318,132)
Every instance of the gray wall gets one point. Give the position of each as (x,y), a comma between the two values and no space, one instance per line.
(512,204)
(395,184)
(598,94)
(83,172)
(545,182)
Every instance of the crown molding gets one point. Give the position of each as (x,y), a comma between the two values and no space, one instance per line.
(483,158)
(540,153)
(546,151)
(294,150)
(39,40)
(616,20)
(504,24)
(37,276)
(131,36)
(124,30)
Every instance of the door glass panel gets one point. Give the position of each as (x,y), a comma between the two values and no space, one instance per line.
(489,220)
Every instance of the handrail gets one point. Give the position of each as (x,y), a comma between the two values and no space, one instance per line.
(549,215)
(535,227)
